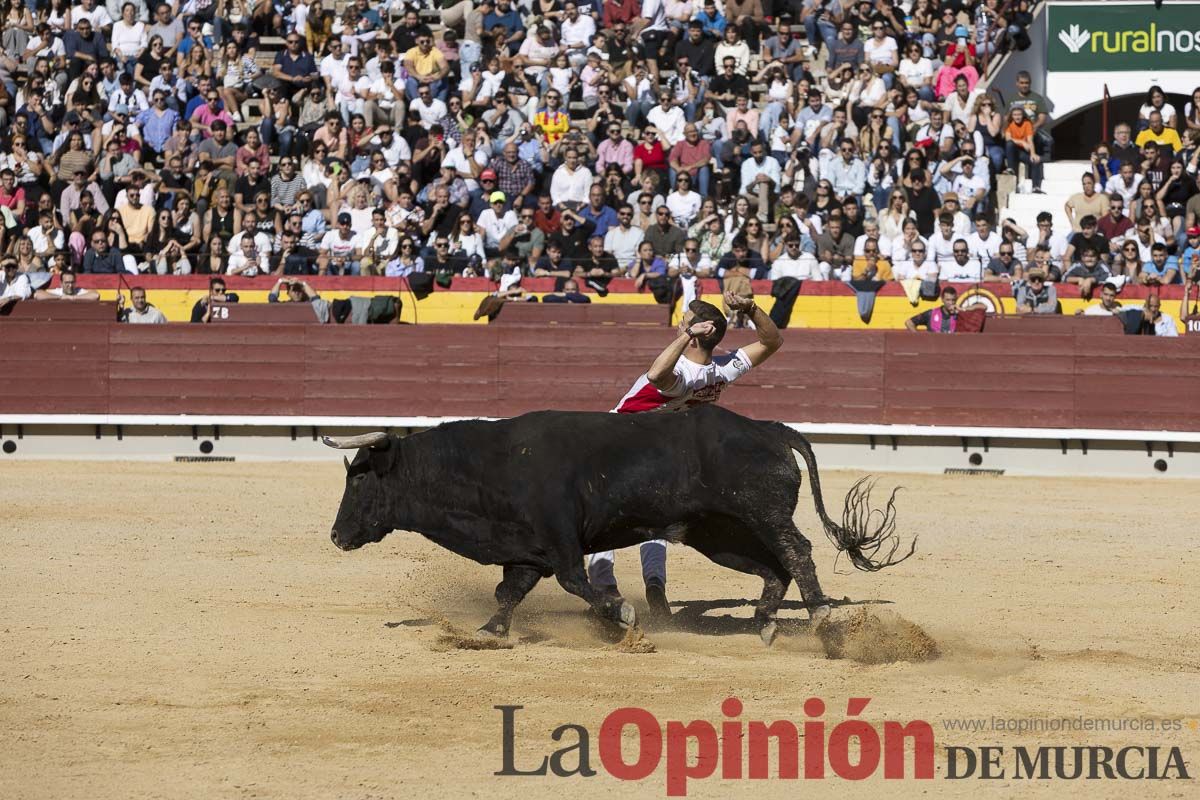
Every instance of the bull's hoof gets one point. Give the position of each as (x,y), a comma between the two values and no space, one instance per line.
(493,629)
(627,616)
(767,633)
(819,614)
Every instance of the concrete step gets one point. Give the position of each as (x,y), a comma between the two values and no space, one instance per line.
(1065,171)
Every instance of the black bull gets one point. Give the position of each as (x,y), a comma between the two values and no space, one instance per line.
(537,492)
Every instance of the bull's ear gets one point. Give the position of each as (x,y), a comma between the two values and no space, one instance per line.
(382,460)
(346,461)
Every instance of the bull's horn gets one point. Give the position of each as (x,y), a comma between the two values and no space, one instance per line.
(374,439)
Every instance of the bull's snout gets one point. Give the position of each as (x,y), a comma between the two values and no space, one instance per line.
(333,537)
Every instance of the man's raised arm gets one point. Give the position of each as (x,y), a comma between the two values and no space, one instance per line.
(769,339)
(662,372)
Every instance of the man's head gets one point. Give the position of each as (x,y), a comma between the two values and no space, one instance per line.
(1108,296)
(138,295)
(1024,82)
(983,226)
(918,252)
(99,241)
(700,311)
(1088,257)
(1153,306)
(949,298)
(962,254)
(68,284)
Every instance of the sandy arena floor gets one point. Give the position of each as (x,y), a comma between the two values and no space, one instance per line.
(184,631)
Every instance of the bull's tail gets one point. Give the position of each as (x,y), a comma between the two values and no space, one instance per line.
(866,535)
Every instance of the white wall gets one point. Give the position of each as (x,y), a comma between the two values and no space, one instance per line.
(1070,91)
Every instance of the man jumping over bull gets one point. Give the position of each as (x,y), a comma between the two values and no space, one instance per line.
(684,375)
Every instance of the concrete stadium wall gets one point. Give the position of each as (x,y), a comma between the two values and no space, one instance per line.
(1071,380)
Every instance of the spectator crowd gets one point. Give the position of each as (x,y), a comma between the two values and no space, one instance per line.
(751,139)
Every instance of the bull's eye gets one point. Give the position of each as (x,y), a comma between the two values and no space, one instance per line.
(359,478)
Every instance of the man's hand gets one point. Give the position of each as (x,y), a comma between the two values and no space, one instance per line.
(739,303)
(700,329)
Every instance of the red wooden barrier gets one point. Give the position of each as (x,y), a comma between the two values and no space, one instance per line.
(1051,380)
(62,310)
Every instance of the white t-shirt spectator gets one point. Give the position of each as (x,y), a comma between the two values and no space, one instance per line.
(885,245)
(347,91)
(337,247)
(966,187)
(970,272)
(248,264)
(383,245)
(1117,184)
(432,113)
(941,250)
(334,68)
(19,286)
(495,226)
(916,73)
(458,159)
(880,52)
(98,16)
(904,270)
(570,187)
(804,267)
(262,242)
(984,250)
(670,123)
(579,32)
(623,244)
(41,240)
(684,207)
(532,48)
(656,12)
(128,40)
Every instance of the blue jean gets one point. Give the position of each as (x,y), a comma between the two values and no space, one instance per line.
(819,32)
(438,88)
(1019,155)
(995,154)
(770,117)
(269,136)
(636,111)
(350,268)
(702,179)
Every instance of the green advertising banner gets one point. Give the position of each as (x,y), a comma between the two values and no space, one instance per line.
(1111,37)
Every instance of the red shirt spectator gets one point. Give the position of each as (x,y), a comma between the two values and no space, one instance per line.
(621,11)
(652,157)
